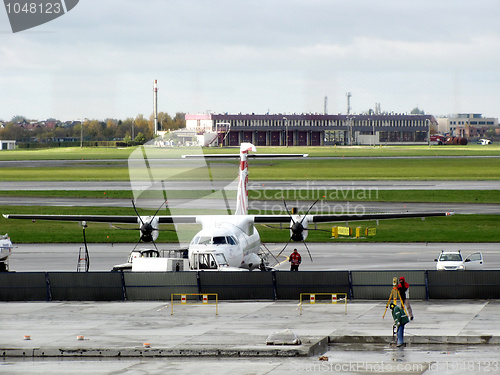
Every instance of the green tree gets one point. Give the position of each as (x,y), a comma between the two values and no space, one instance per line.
(417,111)
(143,126)
(140,139)
(18,118)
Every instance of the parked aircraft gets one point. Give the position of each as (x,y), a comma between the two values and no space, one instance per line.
(228,242)
(5,251)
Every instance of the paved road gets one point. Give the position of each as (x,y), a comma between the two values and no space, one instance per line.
(276,207)
(326,257)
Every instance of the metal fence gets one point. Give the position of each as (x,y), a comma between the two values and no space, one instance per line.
(276,285)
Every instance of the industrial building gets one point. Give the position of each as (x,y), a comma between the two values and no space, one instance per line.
(311,129)
(467,125)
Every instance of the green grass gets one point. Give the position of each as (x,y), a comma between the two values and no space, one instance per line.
(452,229)
(456,228)
(281,169)
(93,153)
(67,153)
(108,194)
(369,151)
(375,195)
(376,169)
(336,195)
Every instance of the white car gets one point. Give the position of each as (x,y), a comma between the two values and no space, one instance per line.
(453,261)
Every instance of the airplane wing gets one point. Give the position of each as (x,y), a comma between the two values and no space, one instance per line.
(179,219)
(349,217)
(237,156)
(257,219)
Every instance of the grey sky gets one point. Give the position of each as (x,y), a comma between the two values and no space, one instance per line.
(100,59)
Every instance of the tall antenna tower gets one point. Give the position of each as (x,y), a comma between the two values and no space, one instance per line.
(325,109)
(348,103)
(155,109)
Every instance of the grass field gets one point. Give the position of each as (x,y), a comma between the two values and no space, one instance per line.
(373,195)
(93,153)
(280,169)
(458,228)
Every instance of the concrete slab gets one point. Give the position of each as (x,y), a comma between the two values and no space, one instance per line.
(121,329)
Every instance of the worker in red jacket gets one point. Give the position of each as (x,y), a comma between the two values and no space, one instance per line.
(404,291)
(295,260)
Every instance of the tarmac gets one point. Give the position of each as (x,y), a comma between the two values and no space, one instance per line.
(236,329)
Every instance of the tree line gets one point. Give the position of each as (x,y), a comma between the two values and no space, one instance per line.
(137,129)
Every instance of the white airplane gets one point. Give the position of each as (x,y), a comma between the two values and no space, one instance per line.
(227,242)
(5,251)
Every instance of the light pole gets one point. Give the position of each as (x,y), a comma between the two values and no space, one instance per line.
(81,133)
(373,131)
(286,131)
(428,122)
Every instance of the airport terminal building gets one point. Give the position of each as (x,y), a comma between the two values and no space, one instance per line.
(312,129)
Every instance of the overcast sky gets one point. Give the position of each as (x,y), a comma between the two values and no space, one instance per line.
(280,56)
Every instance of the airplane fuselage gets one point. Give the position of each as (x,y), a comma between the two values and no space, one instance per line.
(225,241)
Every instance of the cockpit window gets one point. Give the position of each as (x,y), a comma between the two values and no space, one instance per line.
(217,240)
(205,240)
(220,240)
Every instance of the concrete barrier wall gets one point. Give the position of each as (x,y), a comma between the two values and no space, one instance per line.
(238,285)
(378,284)
(85,286)
(25,286)
(464,285)
(158,286)
(282,285)
(289,285)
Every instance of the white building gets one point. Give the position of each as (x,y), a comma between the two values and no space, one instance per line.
(7,145)
(467,125)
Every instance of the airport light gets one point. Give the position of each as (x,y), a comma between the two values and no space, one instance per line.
(428,122)
(286,130)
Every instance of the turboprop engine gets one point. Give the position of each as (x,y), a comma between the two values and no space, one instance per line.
(298,228)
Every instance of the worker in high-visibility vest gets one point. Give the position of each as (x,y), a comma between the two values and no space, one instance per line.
(295,260)
(400,319)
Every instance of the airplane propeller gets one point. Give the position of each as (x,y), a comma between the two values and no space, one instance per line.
(297,229)
(147,228)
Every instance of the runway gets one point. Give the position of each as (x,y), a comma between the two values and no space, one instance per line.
(277,207)
(325,256)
